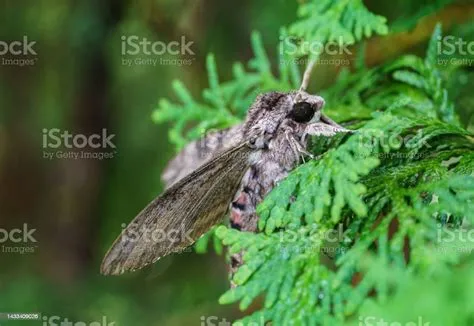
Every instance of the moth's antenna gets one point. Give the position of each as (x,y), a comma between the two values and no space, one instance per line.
(307,75)
(306,78)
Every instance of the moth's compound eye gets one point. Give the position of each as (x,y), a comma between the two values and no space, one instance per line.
(302,112)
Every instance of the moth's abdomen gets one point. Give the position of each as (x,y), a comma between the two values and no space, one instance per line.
(258,181)
(267,168)
(242,210)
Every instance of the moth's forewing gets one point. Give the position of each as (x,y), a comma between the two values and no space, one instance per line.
(184,212)
(194,154)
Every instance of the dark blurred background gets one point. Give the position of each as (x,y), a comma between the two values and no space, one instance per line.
(77,82)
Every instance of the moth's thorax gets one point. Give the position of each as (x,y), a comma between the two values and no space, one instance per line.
(266,114)
(269,129)
(282,146)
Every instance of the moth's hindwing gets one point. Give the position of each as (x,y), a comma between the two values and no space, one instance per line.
(184,212)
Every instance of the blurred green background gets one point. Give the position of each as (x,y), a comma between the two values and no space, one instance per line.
(78,83)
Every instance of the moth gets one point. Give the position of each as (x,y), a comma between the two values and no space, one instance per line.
(226,171)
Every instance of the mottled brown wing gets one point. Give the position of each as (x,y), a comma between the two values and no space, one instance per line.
(184,212)
(199,151)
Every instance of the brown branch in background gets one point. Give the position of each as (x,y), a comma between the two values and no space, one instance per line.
(380,49)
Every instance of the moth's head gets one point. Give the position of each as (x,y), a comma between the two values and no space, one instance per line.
(305,107)
(299,111)
(271,109)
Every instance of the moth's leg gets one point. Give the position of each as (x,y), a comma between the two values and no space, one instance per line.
(302,150)
(296,147)
(291,141)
